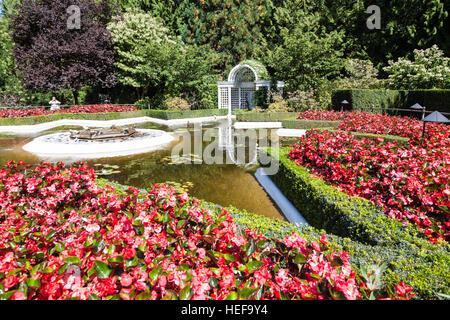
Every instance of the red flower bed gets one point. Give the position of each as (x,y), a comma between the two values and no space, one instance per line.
(96,108)
(410,182)
(366,122)
(382,124)
(63,237)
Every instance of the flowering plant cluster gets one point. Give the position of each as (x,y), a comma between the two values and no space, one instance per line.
(366,122)
(63,237)
(95,108)
(383,124)
(410,182)
(322,115)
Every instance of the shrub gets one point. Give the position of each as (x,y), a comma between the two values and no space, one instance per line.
(430,69)
(303,100)
(384,100)
(175,114)
(264,116)
(308,124)
(176,103)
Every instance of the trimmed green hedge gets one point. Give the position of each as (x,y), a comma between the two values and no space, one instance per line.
(173,114)
(410,257)
(309,124)
(364,99)
(387,138)
(264,116)
(160,114)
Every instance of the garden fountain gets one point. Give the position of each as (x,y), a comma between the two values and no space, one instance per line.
(99,143)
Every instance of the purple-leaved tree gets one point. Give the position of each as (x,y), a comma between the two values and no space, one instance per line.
(52,56)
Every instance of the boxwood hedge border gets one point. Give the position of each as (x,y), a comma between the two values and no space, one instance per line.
(160,114)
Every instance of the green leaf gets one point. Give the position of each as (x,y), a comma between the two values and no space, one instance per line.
(154,274)
(213,282)
(186,293)
(93,297)
(132,262)
(47,270)
(184,267)
(300,259)
(283,296)
(33,283)
(99,246)
(444,296)
(59,247)
(144,296)
(50,235)
(91,271)
(170,295)
(102,269)
(263,243)
(73,260)
(246,292)
(229,257)
(251,248)
(7,295)
(117,259)
(232,296)
(252,266)
(14,272)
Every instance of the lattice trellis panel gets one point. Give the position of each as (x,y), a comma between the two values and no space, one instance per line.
(234,98)
(223,98)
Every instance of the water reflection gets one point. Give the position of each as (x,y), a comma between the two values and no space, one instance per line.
(224,184)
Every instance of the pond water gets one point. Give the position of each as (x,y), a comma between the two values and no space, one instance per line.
(225,184)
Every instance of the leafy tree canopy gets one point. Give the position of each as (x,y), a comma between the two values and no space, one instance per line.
(308,55)
(51,57)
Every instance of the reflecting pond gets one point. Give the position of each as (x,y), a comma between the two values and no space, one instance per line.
(224,184)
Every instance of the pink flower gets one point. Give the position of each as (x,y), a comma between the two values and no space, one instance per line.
(126,280)
(263,275)
(228,279)
(201,253)
(18,296)
(129,253)
(91,228)
(10,282)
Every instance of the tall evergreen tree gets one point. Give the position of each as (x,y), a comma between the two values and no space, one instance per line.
(233,28)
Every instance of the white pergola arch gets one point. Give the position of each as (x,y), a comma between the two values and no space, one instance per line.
(240,71)
(243,80)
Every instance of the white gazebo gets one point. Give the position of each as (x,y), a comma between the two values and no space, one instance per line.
(243,81)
